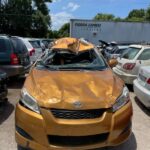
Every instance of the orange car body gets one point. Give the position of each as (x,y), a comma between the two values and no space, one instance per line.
(79,92)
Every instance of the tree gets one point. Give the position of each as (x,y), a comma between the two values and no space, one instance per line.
(64,31)
(16,17)
(25,17)
(136,15)
(104,17)
(148,14)
(41,19)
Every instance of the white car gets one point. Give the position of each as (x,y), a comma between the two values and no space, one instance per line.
(142,86)
(130,62)
(37,48)
(30,48)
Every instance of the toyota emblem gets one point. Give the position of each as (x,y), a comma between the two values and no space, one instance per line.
(77,104)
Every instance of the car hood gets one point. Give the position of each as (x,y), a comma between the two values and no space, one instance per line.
(63,89)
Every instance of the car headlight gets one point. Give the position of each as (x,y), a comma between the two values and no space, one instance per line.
(29,101)
(122,100)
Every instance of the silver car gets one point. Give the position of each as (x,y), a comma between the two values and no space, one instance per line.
(142,86)
(37,47)
(130,62)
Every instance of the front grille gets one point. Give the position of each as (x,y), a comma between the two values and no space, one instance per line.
(77,140)
(77,114)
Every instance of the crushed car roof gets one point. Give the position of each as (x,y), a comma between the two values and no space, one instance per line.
(72,44)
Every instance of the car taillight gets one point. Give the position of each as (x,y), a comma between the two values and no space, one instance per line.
(129,66)
(32,51)
(14,59)
(148,81)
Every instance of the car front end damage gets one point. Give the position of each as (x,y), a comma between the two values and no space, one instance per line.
(72,100)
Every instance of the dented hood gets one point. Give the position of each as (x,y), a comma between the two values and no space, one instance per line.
(61,89)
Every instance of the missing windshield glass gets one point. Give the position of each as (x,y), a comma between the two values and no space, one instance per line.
(63,59)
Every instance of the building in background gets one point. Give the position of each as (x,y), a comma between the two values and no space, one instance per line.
(94,31)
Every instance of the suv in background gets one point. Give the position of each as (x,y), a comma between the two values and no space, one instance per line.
(29,47)
(14,56)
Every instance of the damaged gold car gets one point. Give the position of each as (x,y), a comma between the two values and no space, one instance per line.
(72,100)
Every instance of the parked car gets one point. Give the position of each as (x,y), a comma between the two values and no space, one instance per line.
(142,86)
(113,52)
(47,42)
(37,47)
(130,62)
(41,44)
(71,99)
(29,47)
(3,87)
(14,56)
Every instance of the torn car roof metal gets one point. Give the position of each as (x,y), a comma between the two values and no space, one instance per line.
(72,44)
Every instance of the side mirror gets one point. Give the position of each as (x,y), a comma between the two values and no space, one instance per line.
(112,63)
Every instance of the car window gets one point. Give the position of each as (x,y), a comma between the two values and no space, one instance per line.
(46,43)
(121,51)
(130,53)
(35,44)
(19,46)
(28,45)
(88,60)
(3,45)
(145,55)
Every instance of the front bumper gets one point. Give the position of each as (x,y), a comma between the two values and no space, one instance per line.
(115,126)
(127,78)
(142,93)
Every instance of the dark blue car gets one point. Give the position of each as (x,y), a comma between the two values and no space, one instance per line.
(14,56)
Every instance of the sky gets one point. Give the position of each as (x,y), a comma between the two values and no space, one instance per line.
(62,11)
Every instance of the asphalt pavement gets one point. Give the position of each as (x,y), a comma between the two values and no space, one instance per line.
(139,140)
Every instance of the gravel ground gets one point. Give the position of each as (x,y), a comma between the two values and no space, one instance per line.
(139,140)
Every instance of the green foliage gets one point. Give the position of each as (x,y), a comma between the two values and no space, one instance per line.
(64,30)
(136,15)
(25,17)
(104,17)
(148,14)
